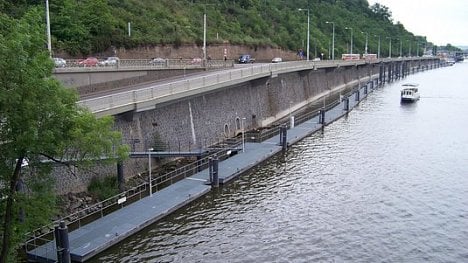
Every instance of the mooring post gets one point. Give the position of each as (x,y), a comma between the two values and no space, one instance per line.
(322,116)
(281,135)
(215,172)
(389,77)
(284,135)
(62,244)
(380,73)
(210,169)
(58,246)
(199,163)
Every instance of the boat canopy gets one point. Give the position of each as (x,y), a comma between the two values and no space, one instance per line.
(410,85)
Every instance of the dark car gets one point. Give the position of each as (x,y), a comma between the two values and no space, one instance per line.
(246,59)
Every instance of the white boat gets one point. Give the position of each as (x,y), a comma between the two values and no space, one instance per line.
(410,92)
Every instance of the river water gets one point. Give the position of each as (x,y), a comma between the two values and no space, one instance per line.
(387,183)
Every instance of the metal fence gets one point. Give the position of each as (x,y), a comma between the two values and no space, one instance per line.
(43,235)
(136,64)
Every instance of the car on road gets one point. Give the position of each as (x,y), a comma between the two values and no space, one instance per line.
(88,62)
(157,62)
(246,59)
(60,62)
(110,61)
(276,60)
(196,61)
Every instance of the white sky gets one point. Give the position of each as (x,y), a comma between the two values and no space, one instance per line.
(441,21)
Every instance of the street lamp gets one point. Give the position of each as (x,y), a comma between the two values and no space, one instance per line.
(367,41)
(308,29)
(409,49)
(49,43)
(417,48)
(351,48)
(389,47)
(401,50)
(149,171)
(333,39)
(378,47)
(204,36)
(243,134)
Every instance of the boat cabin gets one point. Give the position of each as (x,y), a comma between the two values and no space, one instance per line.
(410,92)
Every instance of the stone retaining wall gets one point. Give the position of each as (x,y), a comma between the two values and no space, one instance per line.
(200,121)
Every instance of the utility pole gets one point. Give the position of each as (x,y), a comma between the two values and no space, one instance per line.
(49,42)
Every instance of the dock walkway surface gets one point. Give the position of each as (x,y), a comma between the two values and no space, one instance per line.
(95,237)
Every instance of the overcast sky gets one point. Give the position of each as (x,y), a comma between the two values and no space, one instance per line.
(441,21)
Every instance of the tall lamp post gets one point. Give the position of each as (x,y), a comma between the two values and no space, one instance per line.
(401,48)
(367,41)
(409,49)
(308,29)
(378,47)
(333,39)
(417,48)
(149,172)
(204,36)
(49,43)
(389,47)
(351,47)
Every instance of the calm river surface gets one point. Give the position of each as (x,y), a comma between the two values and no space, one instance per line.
(387,183)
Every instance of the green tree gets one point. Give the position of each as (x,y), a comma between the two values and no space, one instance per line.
(39,121)
(381,12)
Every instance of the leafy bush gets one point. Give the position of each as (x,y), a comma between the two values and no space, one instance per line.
(103,188)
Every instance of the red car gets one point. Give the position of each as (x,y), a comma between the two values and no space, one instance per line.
(89,62)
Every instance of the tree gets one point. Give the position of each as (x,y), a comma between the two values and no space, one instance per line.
(39,120)
(382,12)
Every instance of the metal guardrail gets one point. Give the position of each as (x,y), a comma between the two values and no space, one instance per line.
(126,100)
(74,65)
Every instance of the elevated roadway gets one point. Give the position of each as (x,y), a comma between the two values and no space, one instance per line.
(147,96)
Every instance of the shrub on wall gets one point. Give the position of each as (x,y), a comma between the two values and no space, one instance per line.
(103,188)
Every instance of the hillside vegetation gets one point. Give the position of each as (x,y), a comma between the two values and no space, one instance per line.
(90,26)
